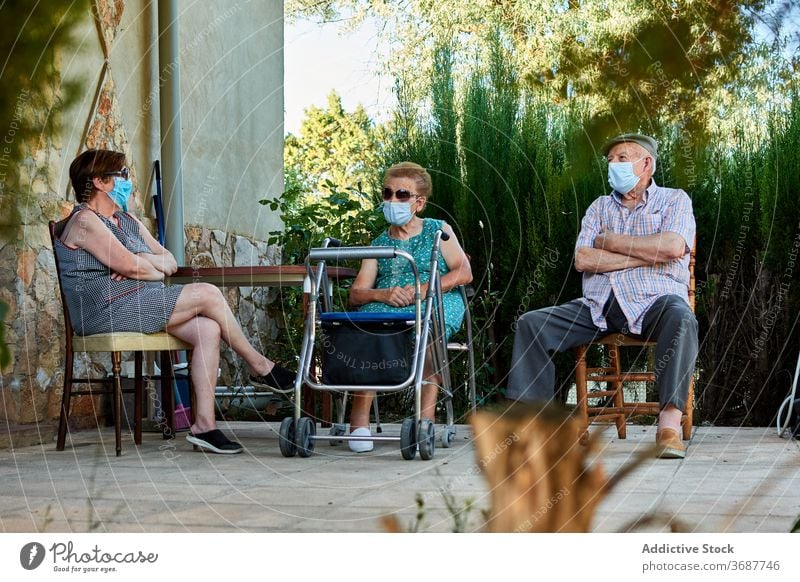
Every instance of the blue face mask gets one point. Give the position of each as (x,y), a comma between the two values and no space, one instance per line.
(397,213)
(121,193)
(621,177)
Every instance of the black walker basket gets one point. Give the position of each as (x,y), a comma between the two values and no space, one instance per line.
(363,349)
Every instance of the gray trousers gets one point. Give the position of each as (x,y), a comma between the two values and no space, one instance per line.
(670,322)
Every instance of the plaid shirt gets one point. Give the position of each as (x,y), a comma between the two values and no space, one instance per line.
(636,289)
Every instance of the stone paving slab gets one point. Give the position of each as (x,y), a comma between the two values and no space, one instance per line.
(733,479)
(23,435)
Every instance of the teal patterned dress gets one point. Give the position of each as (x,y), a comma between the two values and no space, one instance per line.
(398,273)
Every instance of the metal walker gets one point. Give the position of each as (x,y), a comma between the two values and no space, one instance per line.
(297,434)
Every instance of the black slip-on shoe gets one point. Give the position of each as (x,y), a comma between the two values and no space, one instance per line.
(214,441)
(279,378)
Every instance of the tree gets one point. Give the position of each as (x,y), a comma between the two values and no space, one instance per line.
(332,172)
(632,63)
(334,148)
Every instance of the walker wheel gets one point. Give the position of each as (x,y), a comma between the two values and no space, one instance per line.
(306,429)
(286,437)
(448,436)
(408,439)
(336,430)
(426,439)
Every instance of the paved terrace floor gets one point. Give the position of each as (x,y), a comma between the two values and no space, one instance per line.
(733,479)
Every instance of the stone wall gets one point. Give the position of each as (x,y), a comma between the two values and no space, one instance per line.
(36,331)
(213,248)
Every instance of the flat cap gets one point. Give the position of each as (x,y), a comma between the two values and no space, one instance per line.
(645,141)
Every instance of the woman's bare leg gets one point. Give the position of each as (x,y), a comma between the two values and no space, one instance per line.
(204,335)
(430,391)
(202,299)
(359,413)
(362,401)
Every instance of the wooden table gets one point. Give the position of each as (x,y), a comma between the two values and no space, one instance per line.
(266,276)
(269,276)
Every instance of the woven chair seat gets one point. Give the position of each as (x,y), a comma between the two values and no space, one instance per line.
(128,342)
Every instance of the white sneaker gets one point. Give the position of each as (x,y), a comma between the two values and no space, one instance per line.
(360,446)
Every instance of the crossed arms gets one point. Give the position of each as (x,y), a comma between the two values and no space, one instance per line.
(91,234)
(614,252)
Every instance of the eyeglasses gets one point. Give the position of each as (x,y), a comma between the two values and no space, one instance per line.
(402,194)
(124,173)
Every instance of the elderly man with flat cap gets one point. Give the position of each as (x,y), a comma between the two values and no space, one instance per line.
(633,250)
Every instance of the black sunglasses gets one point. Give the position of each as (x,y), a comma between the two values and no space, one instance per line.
(402,194)
(124,173)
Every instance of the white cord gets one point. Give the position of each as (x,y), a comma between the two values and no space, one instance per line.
(788,402)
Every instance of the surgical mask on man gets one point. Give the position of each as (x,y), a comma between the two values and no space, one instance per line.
(397,213)
(121,193)
(621,177)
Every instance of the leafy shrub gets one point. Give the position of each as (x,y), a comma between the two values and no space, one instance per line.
(350,216)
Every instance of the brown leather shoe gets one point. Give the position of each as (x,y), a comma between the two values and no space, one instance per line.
(669,444)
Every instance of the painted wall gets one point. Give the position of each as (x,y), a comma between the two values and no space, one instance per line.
(232,90)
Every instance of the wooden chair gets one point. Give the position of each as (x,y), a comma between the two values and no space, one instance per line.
(613,404)
(115,343)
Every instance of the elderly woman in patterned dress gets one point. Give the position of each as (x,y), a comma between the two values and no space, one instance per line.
(112,276)
(387,285)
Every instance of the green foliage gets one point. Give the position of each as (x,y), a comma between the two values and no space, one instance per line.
(748,247)
(348,215)
(32,92)
(638,61)
(332,170)
(334,148)
(630,62)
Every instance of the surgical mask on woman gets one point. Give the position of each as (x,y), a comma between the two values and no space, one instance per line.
(397,213)
(621,177)
(121,192)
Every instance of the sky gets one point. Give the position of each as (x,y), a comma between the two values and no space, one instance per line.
(317,59)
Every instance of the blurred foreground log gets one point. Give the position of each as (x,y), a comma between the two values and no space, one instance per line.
(540,478)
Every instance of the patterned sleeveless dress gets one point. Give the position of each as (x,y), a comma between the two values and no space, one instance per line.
(99,304)
(398,273)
